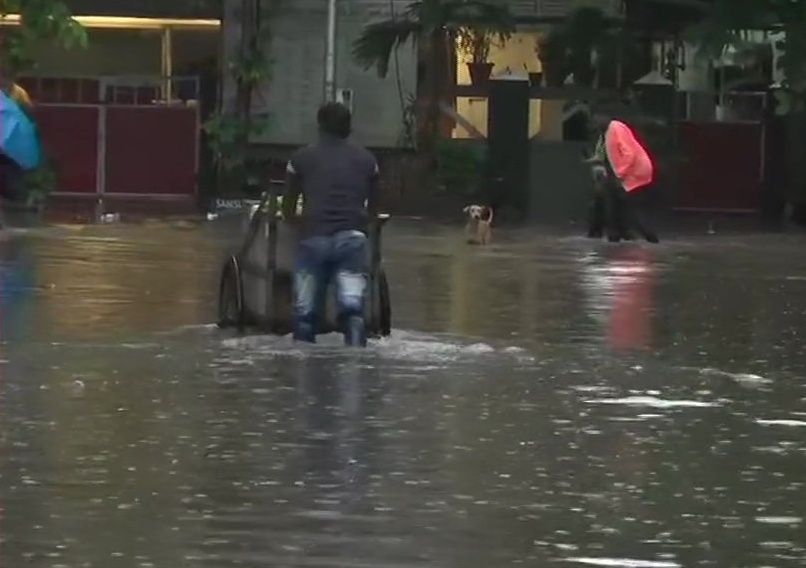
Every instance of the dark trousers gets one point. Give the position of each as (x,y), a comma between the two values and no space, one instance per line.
(597,215)
(627,218)
(11,179)
(613,211)
(342,258)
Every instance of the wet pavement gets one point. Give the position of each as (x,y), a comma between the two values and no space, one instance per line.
(544,401)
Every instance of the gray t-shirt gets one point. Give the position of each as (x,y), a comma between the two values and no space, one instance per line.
(335,177)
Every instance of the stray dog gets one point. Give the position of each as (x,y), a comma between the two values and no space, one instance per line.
(479,224)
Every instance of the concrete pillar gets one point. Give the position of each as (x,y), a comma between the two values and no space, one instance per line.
(508,141)
(167,64)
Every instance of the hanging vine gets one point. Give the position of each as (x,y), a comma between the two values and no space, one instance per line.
(230,130)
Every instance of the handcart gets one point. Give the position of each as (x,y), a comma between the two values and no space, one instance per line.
(255,289)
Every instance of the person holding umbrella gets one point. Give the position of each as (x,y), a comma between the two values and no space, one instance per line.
(19,143)
(21,97)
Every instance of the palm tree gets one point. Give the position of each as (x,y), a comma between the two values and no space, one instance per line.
(431,26)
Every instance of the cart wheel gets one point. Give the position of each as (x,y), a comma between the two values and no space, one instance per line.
(385,305)
(230,296)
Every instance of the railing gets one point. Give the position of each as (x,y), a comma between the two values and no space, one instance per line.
(725,107)
(113,89)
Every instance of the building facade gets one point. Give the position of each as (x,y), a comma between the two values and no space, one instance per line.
(297,56)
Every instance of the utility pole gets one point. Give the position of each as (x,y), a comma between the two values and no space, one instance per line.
(330,51)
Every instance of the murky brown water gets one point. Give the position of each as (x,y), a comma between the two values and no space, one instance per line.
(545,401)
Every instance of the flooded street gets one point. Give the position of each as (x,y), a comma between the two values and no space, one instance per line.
(543,401)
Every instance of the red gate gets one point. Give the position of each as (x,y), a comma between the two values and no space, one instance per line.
(723,168)
(123,150)
(70,137)
(151,150)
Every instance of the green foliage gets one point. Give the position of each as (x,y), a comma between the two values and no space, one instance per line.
(226,132)
(423,18)
(724,25)
(460,166)
(39,183)
(41,20)
(476,42)
(230,132)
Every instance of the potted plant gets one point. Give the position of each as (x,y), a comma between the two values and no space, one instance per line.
(433,27)
(475,43)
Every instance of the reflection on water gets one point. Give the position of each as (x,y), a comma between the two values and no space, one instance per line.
(620,286)
(17,276)
(542,401)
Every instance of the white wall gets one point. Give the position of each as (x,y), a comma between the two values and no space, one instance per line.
(296,89)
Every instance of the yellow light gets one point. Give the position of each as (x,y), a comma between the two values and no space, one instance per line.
(130,23)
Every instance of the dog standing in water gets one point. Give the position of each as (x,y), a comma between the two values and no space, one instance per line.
(479,224)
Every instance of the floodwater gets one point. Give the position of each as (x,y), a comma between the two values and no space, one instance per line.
(546,401)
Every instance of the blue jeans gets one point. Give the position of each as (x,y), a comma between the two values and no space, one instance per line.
(318,261)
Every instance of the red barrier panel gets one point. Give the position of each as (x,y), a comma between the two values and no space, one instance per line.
(151,150)
(722,167)
(69,137)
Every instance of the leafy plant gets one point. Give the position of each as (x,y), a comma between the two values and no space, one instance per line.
(460,165)
(475,42)
(227,133)
(230,130)
(38,184)
(40,20)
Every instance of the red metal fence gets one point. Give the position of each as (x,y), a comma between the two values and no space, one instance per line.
(725,152)
(723,168)
(151,150)
(147,151)
(70,138)
(118,134)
